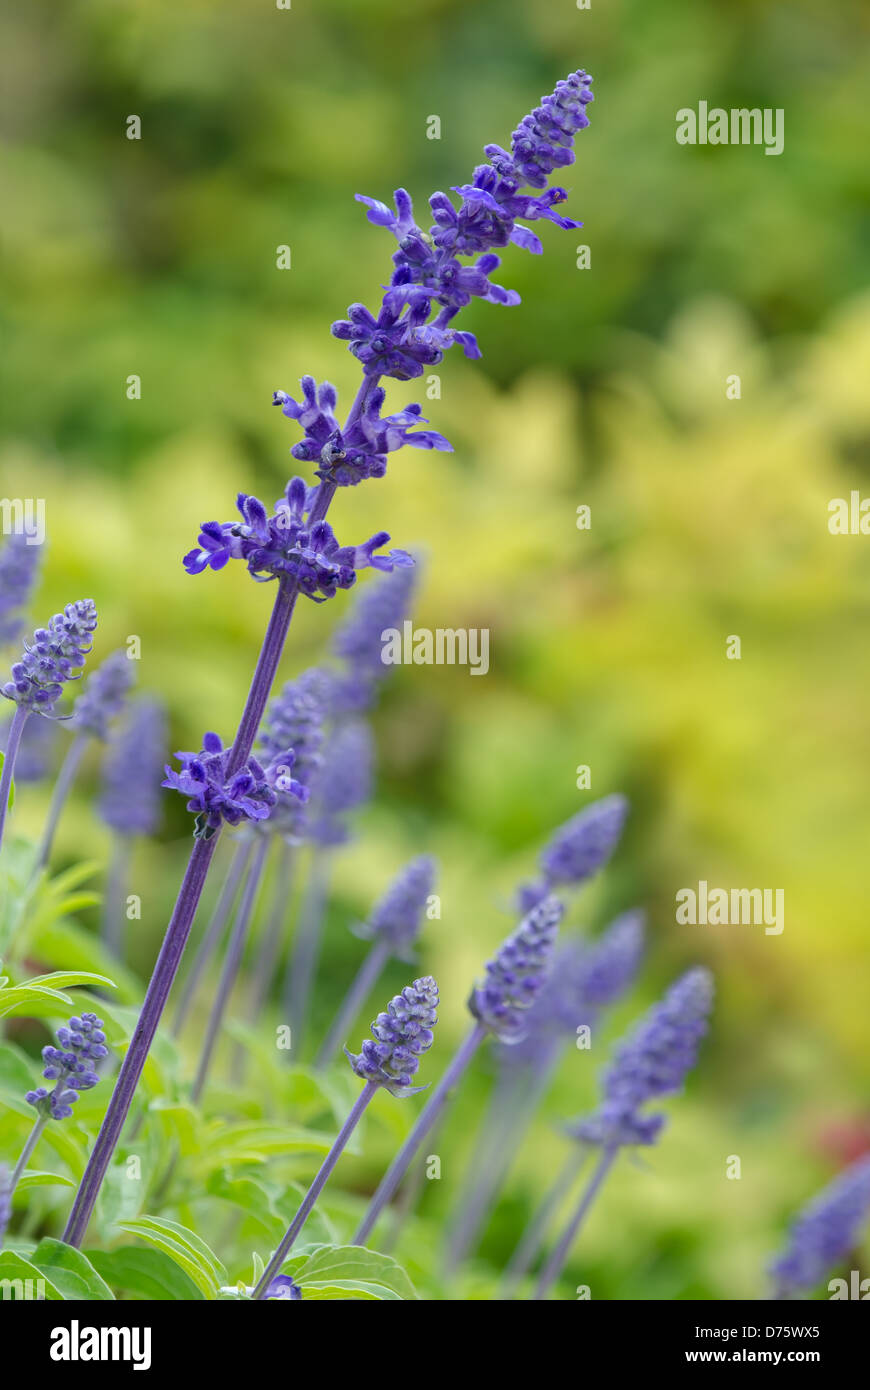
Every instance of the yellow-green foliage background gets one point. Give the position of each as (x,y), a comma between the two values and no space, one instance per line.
(606,387)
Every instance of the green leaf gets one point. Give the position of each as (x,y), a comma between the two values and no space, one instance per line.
(347,1289)
(70,1271)
(21,1272)
(338,1264)
(65,979)
(145,1273)
(184,1247)
(37,1179)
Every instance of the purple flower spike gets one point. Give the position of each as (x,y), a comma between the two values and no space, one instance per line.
(57,651)
(70,1067)
(285,545)
(578,849)
(343,783)
(283,1287)
(248,795)
(401,1036)
(397,916)
(825,1232)
(360,451)
(103,695)
(403,340)
(515,976)
(129,801)
(18,565)
(383,603)
(608,965)
(295,719)
(654,1060)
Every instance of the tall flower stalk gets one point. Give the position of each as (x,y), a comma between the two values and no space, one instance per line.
(129,803)
(72,1069)
(535,1232)
(388,1060)
(512,981)
(343,783)
(232,962)
(392,927)
(48,663)
(102,698)
(587,977)
(654,1060)
(213,935)
(294,545)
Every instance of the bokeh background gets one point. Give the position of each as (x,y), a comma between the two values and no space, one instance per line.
(607,386)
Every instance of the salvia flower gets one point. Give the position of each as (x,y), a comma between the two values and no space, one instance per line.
(215,797)
(825,1231)
(103,695)
(402,340)
(609,964)
(284,545)
(515,976)
(56,652)
(70,1066)
(397,916)
(349,457)
(344,781)
(283,1287)
(294,719)
(579,848)
(401,1036)
(18,565)
(382,604)
(129,801)
(654,1060)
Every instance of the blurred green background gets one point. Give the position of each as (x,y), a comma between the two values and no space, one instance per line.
(607,386)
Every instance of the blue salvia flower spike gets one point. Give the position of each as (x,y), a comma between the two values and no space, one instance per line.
(586,977)
(498,1005)
(48,663)
(653,1061)
(129,802)
(383,605)
(578,849)
(387,1061)
(101,700)
(72,1068)
(294,545)
(824,1232)
(19,563)
(392,927)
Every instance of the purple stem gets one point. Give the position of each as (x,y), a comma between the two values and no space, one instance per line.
(305,953)
(366,978)
(131,1068)
(111,926)
(315,1189)
(232,961)
(425,1122)
(192,885)
(213,935)
(509,1120)
(533,1237)
(553,1265)
(265,968)
(65,778)
(13,743)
